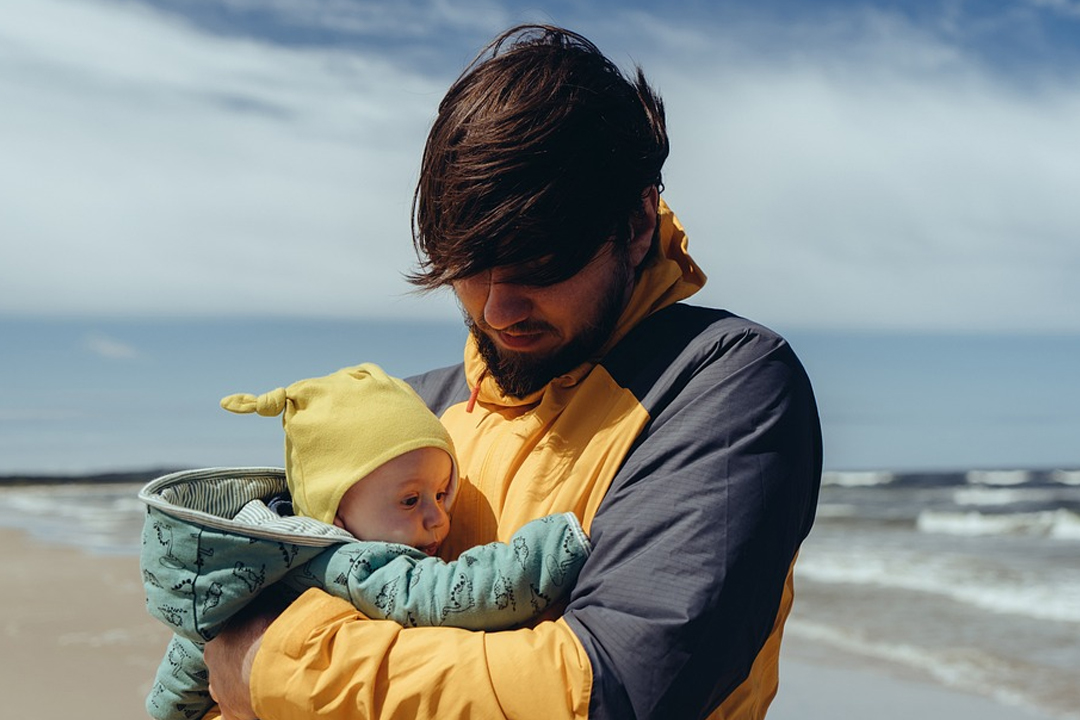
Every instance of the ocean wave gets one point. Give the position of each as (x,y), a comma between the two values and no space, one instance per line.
(1066,477)
(967,670)
(997,496)
(1017,593)
(1059,524)
(836,510)
(857,479)
(998,477)
(104,518)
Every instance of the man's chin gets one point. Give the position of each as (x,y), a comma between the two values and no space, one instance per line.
(517,373)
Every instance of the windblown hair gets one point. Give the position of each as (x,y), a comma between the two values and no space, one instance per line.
(539,155)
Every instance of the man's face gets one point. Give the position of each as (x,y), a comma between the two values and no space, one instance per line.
(530,334)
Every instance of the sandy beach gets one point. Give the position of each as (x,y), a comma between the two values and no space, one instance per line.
(77,641)
(819,684)
(79,644)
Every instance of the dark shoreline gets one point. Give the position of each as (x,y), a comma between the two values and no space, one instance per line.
(132,476)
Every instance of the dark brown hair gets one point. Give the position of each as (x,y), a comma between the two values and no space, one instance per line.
(539,155)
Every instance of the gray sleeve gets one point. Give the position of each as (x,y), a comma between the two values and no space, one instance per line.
(489,587)
(441,388)
(694,540)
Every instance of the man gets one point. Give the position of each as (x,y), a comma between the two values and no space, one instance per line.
(685,439)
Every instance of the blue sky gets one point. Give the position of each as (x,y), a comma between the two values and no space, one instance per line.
(889,183)
(838,165)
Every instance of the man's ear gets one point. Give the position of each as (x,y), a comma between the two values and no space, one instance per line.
(643,226)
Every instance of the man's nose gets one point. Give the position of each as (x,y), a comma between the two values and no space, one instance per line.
(506,304)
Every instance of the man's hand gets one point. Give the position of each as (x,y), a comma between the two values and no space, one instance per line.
(230,655)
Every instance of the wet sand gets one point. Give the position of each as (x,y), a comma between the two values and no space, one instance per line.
(77,641)
(823,684)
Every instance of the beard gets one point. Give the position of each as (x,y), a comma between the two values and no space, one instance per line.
(519,374)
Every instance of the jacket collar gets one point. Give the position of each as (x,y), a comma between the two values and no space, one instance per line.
(668,276)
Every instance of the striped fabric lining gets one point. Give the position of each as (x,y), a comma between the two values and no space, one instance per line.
(231,499)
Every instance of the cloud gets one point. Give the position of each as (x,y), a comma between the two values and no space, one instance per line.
(109,348)
(396,18)
(890,181)
(1068,8)
(849,168)
(158,169)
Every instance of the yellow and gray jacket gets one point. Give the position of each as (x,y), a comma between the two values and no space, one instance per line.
(211,546)
(691,452)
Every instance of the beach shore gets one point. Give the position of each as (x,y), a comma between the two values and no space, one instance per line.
(823,684)
(78,643)
(77,640)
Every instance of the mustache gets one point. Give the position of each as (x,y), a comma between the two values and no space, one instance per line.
(523,328)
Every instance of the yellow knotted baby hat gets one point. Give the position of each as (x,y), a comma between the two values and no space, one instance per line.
(340,427)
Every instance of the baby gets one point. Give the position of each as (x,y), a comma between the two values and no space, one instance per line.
(371,476)
(364,452)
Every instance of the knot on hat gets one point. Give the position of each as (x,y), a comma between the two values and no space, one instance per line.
(268,404)
(341,427)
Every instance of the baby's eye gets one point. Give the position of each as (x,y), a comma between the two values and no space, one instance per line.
(441,496)
(410,501)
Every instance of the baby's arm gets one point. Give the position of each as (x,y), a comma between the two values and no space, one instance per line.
(196,578)
(489,587)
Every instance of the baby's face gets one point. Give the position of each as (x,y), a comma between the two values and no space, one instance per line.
(401,501)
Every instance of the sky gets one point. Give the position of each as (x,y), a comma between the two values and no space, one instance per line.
(882,166)
(186,183)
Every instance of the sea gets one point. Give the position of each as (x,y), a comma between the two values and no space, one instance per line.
(947,540)
(970,579)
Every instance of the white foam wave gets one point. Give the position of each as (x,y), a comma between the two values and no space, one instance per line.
(1017,592)
(1060,524)
(857,479)
(1066,477)
(1067,526)
(995,496)
(103,518)
(997,477)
